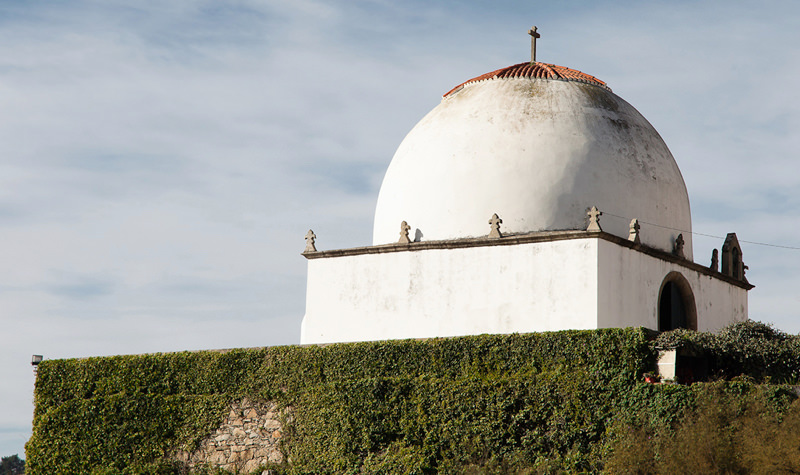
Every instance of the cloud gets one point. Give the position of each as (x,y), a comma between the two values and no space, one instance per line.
(160,162)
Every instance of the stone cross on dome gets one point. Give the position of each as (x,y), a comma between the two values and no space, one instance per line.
(534,36)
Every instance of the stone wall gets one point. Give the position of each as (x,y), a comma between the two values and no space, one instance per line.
(247,439)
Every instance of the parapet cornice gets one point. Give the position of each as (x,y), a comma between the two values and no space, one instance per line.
(525,238)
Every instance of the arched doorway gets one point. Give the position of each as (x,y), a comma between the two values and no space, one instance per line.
(676,307)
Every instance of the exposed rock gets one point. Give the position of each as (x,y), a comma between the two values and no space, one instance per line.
(248,438)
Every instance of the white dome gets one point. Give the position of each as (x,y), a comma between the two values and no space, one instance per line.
(537,144)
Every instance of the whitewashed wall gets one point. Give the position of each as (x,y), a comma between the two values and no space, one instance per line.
(630,283)
(545,286)
(450,292)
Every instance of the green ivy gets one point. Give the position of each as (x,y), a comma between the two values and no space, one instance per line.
(490,404)
(749,348)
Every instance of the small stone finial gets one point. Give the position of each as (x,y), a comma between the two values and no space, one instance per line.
(311,238)
(678,250)
(594,220)
(534,36)
(495,222)
(404,229)
(633,235)
(714,261)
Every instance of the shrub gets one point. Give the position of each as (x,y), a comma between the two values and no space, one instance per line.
(747,348)
(732,428)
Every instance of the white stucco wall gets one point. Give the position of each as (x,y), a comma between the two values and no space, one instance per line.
(545,286)
(450,292)
(630,283)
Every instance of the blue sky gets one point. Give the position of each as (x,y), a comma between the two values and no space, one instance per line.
(160,162)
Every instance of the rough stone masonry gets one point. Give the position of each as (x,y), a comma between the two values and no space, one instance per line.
(246,440)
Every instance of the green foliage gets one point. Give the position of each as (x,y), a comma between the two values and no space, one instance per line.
(748,348)
(12,465)
(733,427)
(409,405)
(533,403)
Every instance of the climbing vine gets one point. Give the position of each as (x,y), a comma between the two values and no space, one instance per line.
(492,403)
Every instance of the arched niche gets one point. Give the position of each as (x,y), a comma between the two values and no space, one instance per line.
(732,264)
(676,306)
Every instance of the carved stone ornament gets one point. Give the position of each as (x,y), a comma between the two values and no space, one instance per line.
(534,36)
(594,220)
(495,222)
(310,240)
(732,264)
(633,235)
(679,243)
(404,229)
(714,261)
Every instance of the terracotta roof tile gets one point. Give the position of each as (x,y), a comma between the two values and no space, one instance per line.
(535,70)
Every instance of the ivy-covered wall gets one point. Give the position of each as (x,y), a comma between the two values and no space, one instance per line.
(492,403)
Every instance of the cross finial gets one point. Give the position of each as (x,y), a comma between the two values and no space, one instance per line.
(310,239)
(534,35)
(679,243)
(594,220)
(404,229)
(495,222)
(633,234)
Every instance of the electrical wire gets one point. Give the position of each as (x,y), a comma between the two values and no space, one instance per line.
(605,213)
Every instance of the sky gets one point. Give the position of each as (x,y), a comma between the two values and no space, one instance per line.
(161,162)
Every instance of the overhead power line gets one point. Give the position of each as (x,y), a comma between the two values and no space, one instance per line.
(605,213)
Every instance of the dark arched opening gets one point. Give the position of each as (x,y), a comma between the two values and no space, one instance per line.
(676,307)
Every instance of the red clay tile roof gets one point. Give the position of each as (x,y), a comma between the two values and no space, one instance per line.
(535,70)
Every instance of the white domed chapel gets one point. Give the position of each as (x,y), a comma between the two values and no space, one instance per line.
(532,198)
